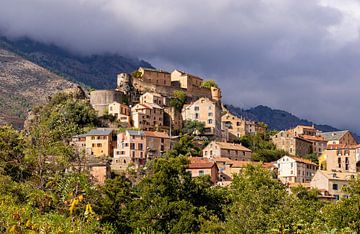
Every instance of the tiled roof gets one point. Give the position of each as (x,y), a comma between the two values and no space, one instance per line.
(302,160)
(100,132)
(156,134)
(222,159)
(241,164)
(338,175)
(136,132)
(313,138)
(200,163)
(232,146)
(333,136)
(342,146)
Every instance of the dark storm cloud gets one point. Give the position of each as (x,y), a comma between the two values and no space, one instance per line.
(301,56)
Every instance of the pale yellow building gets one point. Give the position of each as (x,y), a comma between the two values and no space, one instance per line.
(186,81)
(147,116)
(99,142)
(332,182)
(152,98)
(206,111)
(121,112)
(343,158)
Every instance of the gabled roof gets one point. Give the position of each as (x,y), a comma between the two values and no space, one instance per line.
(200,163)
(333,136)
(302,160)
(231,146)
(147,106)
(313,138)
(241,164)
(100,132)
(156,134)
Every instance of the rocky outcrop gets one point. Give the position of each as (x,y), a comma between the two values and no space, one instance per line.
(24,84)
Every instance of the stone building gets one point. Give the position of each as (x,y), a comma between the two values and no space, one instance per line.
(186,81)
(303,130)
(298,146)
(156,77)
(232,151)
(100,99)
(152,98)
(235,126)
(319,144)
(206,111)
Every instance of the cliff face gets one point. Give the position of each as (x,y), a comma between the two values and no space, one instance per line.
(23,84)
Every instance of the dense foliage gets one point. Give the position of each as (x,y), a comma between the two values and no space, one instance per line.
(38,194)
(263,149)
(178,99)
(209,83)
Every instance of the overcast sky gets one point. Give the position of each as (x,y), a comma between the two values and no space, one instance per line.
(299,56)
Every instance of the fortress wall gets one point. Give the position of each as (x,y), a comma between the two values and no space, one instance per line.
(100,99)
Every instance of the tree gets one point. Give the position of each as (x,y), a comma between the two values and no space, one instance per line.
(178,100)
(193,127)
(209,83)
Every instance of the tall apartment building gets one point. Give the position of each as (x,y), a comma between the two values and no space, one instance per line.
(206,111)
(147,116)
(99,142)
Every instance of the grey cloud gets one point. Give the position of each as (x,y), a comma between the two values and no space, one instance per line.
(276,52)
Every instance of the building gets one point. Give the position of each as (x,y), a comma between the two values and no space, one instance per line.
(152,98)
(130,150)
(339,138)
(99,142)
(157,143)
(206,111)
(135,147)
(227,150)
(319,144)
(173,119)
(153,76)
(284,140)
(300,130)
(121,112)
(186,81)
(238,126)
(342,158)
(79,143)
(235,125)
(199,166)
(295,170)
(147,116)
(332,183)
(100,100)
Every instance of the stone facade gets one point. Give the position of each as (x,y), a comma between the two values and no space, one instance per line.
(284,140)
(227,150)
(100,99)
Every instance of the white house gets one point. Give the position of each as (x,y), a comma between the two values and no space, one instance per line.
(295,170)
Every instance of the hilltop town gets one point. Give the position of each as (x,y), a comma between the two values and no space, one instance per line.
(151,107)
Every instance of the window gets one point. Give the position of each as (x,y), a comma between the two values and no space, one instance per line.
(140,146)
(210,107)
(201,173)
(210,114)
(196,115)
(196,108)
(210,121)
(292,164)
(335,187)
(337,197)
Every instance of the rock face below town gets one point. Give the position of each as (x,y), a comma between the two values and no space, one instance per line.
(23,84)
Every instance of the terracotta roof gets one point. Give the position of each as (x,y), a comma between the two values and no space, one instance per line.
(305,126)
(302,160)
(232,146)
(200,163)
(268,165)
(241,164)
(222,159)
(342,146)
(156,134)
(313,138)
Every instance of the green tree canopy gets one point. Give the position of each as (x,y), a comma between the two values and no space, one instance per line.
(209,83)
